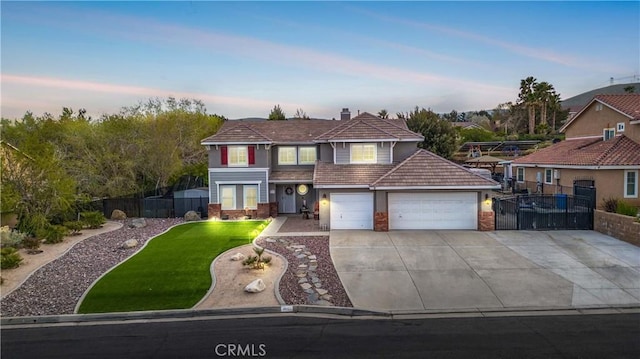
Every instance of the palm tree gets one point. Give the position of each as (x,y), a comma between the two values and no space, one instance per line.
(383,113)
(527,98)
(544,92)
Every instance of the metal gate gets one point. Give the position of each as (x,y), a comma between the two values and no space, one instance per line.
(543,212)
(586,188)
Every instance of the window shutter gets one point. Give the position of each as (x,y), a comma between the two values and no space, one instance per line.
(223,155)
(252,155)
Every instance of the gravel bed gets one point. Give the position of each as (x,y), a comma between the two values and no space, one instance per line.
(290,289)
(56,287)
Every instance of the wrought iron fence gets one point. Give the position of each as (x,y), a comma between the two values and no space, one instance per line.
(543,212)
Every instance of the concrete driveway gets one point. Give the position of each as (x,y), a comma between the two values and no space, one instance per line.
(453,270)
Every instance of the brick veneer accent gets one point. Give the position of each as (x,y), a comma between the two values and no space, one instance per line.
(263,210)
(381,222)
(213,210)
(624,228)
(273,209)
(486,221)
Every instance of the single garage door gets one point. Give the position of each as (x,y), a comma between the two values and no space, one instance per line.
(455,210)
(351,210)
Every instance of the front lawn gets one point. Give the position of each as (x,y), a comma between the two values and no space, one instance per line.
(172,271)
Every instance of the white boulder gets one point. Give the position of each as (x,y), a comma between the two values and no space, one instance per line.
(131,243)
(256,286)
(238,257)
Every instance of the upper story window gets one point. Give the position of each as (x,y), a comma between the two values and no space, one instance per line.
(620,127)
(363,153)
(520,174)
(631,184)
(238,156)
(598,107)
(307,155)
(287,156)
(608,133)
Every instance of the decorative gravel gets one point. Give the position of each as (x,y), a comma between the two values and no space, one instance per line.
(310,277)
(57,287)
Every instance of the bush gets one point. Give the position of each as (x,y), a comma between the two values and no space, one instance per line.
(9,258)
(31,243)
(74,227)
(33,224)
(627,209)
(93,220)
(9,238)
(610,205)
(54,234)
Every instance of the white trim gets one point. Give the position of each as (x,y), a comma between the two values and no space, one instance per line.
(335,186)
(524,173)
(387,188)
(620,127)
(315,149)
(550,177)
(244,195)
(393,144)
(578,167)
(582,138)
(234,143)
(624,190)
(238,182)
(636,122)
(246,157)
(235,202)
(372,140)
(375,153)
(238,169)
(606,131)
(295,156)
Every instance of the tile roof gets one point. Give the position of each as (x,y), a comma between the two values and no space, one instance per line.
(369,127)
(348,175)
(618,151)
(291,176)
(290,131)
(426,169)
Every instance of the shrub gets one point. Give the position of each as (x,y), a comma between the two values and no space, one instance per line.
(610,205)
(54,234)
(31,243)
(74,227)
(9,238)
(626,209)
(93,220)
(32,224)
(9,258)
(257,261)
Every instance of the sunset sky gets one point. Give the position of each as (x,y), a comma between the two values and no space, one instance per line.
(242,58)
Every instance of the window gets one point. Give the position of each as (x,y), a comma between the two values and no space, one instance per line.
(250,196)
(598,107)
(548,175)
(520,174)
(238,156)
(620,127)
(363,153)
(608,133)
(287,156)
(306,155)
(228,197)
(631,184)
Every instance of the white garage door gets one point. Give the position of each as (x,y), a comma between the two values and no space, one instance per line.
(456,210)
(351,210)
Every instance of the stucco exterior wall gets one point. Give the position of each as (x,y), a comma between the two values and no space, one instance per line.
(608,183)
(591,123)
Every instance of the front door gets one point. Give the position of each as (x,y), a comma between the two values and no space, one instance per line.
(287,199)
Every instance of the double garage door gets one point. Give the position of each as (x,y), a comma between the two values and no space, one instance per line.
(454,210)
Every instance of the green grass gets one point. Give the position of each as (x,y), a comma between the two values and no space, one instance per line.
(172,271)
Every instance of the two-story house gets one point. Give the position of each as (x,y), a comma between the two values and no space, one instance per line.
(602,144)
(365,173)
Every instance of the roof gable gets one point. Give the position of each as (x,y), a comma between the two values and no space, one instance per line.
(369,127)
(289,131)
(428,170)
(627,105)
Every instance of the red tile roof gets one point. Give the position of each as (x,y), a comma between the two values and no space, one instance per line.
(627,104)
(426,169)
(618,151)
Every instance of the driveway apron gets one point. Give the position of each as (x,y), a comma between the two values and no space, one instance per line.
(455,270)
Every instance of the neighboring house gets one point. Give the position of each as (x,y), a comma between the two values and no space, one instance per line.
(468,125)
(602,143)
(363,173)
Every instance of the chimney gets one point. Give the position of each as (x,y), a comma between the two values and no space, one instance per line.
(345,115)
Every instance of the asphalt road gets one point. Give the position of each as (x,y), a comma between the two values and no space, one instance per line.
(579,336)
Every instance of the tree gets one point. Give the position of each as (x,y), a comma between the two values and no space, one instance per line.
(629,89)
(544,93)
(277,114)
(300,114)
(439,135)
(383,113)
(527,98)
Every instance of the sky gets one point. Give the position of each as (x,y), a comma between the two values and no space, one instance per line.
(243,58)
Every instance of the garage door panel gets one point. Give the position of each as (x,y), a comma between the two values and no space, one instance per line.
(433,210)
(351,210)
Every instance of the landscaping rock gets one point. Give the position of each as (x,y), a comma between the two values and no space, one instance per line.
(192,216)
(131,243)
(256,286)
(118,215)
(238,257)
(138,223)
